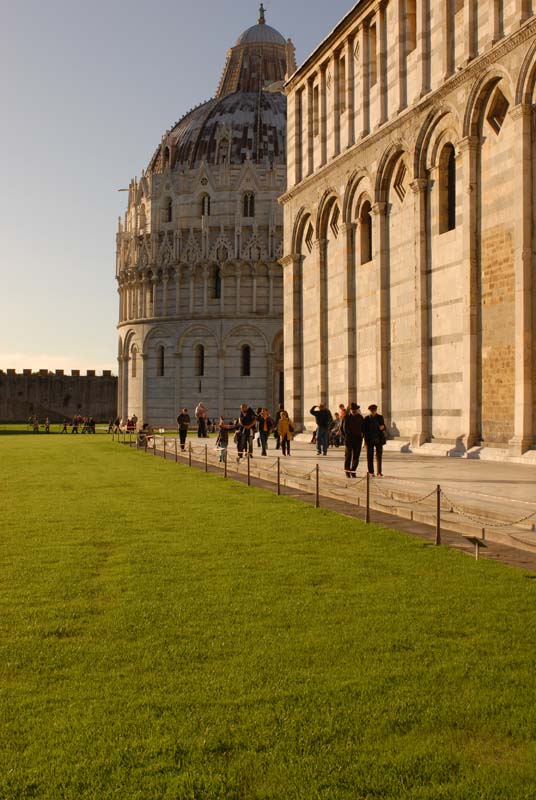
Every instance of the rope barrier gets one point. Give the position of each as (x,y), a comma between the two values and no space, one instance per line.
(406,502)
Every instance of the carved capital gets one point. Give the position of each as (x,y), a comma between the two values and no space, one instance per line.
(469,143)
(419,185)
(380,209)
(521,110)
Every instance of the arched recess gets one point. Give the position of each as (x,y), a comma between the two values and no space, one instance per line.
(491,268)
(191,387)
(396,373)
(332,373)
(131,376)
(301,359)
(159,376)
(441,274)
(239,387)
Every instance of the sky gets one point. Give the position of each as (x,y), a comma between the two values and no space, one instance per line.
(87,90)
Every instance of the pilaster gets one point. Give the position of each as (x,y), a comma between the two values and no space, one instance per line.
(420,188)
(381,213)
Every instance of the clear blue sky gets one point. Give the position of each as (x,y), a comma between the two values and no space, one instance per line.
(87,90)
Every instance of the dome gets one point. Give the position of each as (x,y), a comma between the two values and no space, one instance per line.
(236,128)
(261,34)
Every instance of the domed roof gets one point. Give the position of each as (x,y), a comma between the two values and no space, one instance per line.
(239,127)
(261,34)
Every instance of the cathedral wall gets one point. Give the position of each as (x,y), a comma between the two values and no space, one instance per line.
(441,313)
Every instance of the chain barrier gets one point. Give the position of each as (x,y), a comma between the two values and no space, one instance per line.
(485,523)
(406,502)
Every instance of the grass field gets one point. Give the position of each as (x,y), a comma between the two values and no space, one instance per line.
(167,634)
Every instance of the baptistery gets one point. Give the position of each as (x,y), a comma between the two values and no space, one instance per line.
(197,262)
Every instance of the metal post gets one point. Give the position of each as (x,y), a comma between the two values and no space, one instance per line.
(176,456)
(189,454)
(206,458)
(164,447)
(278,474)
(317,487)
(249,469)
(145,442)
(367,514)
(154,445)
(130,438)
(438,515)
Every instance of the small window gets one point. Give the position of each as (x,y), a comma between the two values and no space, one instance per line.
(205,205)
(497,111)
(245,370)
(249,204)
(167,213)
(223,151)
(160,361)
(133,361)
(216,293)
(199,360)
(365,232)
(400,182)
(309,237)
(334,223)
(447,189)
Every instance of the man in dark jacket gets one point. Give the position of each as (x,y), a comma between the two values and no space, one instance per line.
(323,420)
(374,433)
(352,430)
(183,421)
(246,423)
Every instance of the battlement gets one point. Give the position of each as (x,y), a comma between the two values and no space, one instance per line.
(57,373)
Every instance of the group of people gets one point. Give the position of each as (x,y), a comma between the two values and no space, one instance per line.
(350,428)
(34,424)
(79,424)
(249,426)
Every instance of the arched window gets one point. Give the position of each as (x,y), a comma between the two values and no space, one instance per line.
(160,361)
(133,360)
(245,361)
(205,205)
(365,232)
(223,151)
(216,293)
(447,189)
(249,204)
(199,360)
(167,210)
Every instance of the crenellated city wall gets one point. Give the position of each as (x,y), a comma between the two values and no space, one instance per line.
(56,395)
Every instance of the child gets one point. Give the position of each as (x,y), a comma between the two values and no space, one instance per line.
(222,442)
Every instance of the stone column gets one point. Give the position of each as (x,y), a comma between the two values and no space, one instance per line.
(293,336)
(177,290)
(470,32)
(402,56)
(523,438)
(423,45)
(381,32)
(298,139)
(349,298)
(310,127)
(165,280)
(222,290)
(237,299)
(269,393)
(154,283)
(323,117)
(468,149)
(320,246)
(205,289)
(191,275)
(365,77)
(254,291)
(420,188)
(144,298)
(335,105)
(221,381)
(381,254)
(350,91)
(270,291)
(178,381)
(142,361)
(523,10)
(447,39)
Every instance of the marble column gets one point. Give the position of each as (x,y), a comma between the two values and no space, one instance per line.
(293,337)
(335,111)
(350,92)
(365,77)
(380,211)
(348,230)
(523,439)
(420,188)
(423,45)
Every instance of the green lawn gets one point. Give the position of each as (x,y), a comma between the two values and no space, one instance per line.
(167,634)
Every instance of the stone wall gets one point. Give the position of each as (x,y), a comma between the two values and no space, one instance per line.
(56,395)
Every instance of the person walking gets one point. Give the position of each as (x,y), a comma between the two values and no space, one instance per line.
(246,424)
(323,420)
(183,423)
(276,420)
(222,442)
(374,433)
(265,424)
(285,428)
(201,415)
(352,430)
